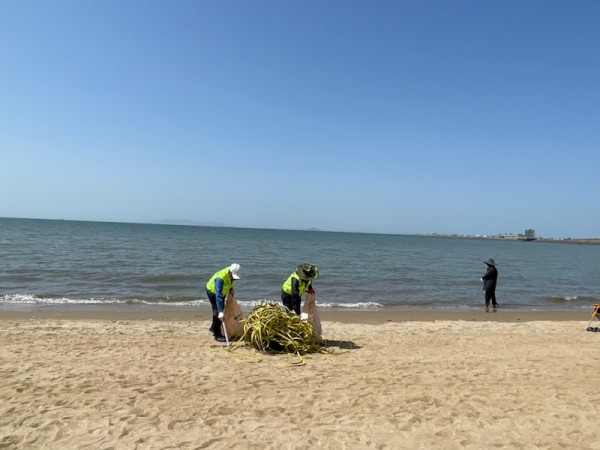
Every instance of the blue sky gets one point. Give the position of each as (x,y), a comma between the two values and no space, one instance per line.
(477,117)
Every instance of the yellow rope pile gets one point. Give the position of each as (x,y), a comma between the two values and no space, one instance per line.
(270,328)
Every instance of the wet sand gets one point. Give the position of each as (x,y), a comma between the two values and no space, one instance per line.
(338,315)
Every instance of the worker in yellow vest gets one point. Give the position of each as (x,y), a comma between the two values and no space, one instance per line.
(297,283)
(218,287)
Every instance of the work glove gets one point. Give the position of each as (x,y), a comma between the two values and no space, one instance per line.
(304,316)
(221,315)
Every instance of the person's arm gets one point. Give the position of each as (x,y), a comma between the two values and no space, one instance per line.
(219,295)
(310,288)
(295,289)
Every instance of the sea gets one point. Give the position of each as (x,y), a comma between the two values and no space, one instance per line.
(77,264)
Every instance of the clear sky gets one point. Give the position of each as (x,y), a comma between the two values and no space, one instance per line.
(434,116)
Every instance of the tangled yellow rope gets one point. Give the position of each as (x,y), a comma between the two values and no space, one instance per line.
(270,328)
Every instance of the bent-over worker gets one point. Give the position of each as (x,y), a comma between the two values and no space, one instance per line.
(297,283)
(218,287)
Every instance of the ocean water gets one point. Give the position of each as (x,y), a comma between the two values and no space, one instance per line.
(56,262)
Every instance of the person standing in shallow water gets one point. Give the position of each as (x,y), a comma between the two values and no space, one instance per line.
(489,283)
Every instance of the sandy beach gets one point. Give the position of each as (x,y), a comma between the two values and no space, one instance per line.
(126,380)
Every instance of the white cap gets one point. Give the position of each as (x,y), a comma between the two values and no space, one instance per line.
(235,271)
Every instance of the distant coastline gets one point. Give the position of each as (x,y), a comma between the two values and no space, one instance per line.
(581,241)
(192,223)
(595,241)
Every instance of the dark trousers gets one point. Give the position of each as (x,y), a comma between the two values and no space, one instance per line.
(490,294)
(291,302)
(216,322)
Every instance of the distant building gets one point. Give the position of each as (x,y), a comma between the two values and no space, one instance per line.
(528,236)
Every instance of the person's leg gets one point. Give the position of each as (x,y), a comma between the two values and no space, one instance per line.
(488,297)
(216,322)
(493,297)
(286,299)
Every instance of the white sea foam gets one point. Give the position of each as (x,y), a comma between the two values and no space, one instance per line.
(249,304)
(30,299)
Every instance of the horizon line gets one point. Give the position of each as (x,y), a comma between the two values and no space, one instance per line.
(215,224)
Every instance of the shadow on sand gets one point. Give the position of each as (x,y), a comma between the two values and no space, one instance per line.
(345,345)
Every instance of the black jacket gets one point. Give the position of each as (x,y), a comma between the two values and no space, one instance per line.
(490,278)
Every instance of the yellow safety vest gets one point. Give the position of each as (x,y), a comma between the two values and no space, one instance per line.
(227,281)
(287,286)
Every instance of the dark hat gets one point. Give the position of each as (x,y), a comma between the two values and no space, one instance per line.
(307,271)
(490,262)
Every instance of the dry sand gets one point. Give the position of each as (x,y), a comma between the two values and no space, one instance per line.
(396,380)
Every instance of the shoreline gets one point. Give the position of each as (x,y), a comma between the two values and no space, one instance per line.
(114,313)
